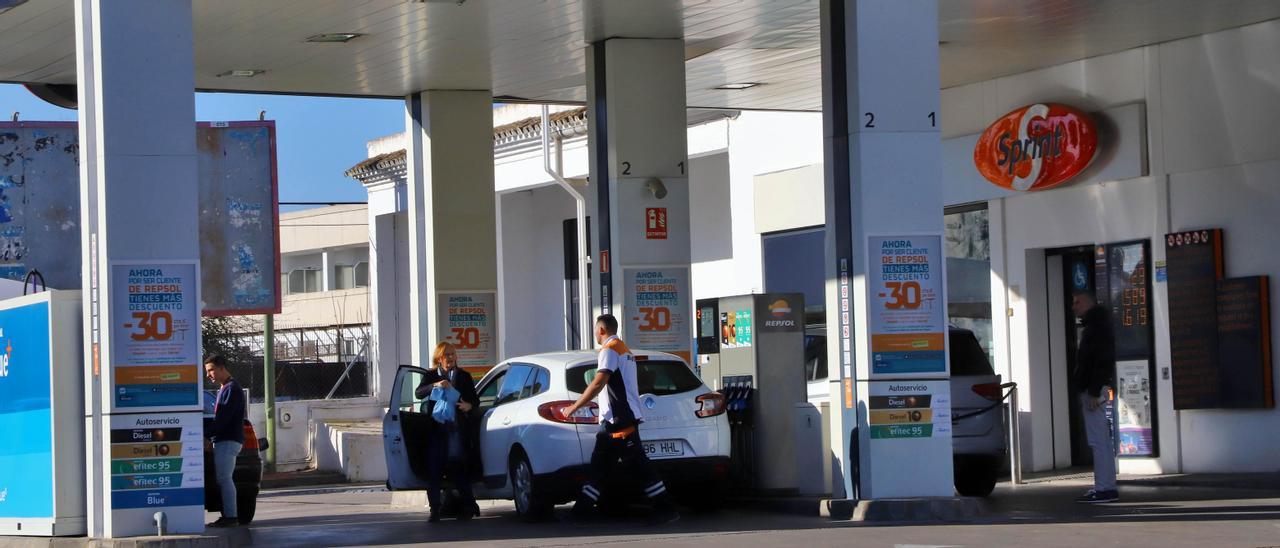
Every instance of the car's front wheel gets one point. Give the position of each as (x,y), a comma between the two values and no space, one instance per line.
(530,504)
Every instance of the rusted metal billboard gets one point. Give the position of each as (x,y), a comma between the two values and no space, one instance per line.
(239,210)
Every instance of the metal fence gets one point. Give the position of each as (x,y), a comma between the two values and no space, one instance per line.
(309,380)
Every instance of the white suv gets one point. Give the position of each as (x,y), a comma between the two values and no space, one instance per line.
(538,457)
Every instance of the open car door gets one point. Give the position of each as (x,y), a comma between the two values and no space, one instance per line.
(404,432)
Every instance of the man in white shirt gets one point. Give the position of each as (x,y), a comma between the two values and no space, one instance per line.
(618,448)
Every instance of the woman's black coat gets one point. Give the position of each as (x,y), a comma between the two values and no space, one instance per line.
(468,423)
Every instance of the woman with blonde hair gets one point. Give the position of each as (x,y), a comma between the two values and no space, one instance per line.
(452,449)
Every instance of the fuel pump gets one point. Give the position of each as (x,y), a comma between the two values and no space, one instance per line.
(751,349)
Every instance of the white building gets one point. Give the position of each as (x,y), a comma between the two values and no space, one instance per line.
(1186,145)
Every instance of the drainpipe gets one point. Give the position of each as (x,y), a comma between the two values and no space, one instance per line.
(584,290)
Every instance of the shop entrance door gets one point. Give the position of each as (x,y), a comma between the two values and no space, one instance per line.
(1067,270)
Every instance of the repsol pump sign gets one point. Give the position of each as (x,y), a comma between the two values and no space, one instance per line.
(1036,147)
(779,312)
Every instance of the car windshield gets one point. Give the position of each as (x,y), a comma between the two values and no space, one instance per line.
(657,377)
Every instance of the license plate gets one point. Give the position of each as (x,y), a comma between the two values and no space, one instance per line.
(662,449)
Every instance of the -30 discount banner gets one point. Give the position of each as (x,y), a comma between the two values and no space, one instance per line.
(155,335)
(907,305)
(468,320)
(657,310)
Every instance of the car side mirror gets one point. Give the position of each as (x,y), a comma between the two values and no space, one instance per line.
(263,444)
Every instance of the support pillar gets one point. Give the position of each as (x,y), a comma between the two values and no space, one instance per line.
(639,158)
(141,282)
(453,276)
(384,297)
(886,303)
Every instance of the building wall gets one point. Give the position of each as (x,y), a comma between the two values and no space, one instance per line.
(532,250)
(1210,158)
(332,227)
(1210,113)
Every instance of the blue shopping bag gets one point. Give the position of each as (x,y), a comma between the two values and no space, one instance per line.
(446,406)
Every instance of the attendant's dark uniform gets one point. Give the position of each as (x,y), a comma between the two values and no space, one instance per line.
(618,442)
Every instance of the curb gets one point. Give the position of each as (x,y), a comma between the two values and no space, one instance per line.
(913,510)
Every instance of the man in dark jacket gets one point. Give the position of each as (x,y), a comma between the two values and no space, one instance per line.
(1095,375)
(226,434)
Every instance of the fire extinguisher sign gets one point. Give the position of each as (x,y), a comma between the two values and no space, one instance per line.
(655,223)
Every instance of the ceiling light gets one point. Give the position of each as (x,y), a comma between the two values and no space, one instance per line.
(334,37)
(740,85)
(242,73)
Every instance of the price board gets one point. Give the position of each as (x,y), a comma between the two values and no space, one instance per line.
(156,462)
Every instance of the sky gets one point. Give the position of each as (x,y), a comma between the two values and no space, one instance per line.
(317,138)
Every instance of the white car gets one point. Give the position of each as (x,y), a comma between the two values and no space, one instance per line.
(533,454)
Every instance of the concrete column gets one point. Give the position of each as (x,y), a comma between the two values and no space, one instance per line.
(452,220)
(384,348)
(639,159)
(883,177)
(326,277)
(136,80)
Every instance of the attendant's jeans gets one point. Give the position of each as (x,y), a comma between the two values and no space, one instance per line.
(224,463)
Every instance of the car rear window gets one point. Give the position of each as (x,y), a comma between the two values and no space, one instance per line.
(657,377)
(967,357)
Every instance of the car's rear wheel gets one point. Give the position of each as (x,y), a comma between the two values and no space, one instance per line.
(976,480)
(246,504)
(530,504)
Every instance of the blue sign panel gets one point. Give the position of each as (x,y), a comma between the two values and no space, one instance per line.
(26,446)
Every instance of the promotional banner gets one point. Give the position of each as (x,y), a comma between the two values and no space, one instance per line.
(156,336)
(1133,404)
(657,313)
(907,310)
(470,322)
(26,428)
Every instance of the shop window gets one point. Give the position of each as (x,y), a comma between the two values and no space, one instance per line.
(968,249)
(794,263)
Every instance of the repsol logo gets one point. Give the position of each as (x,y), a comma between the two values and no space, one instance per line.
(780,323)
(1036,147)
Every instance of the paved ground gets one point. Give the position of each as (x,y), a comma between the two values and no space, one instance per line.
(1039,514)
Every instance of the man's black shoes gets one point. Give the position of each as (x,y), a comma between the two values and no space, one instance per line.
(1099,497)
(224,522)
(663,516)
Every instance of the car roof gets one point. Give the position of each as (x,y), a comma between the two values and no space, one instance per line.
(570,358)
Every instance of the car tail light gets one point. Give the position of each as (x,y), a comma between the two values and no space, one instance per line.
(250,438)
(712,404)
(554,412)
(990,390)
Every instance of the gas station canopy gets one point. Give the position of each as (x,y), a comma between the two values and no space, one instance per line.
(534,51)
